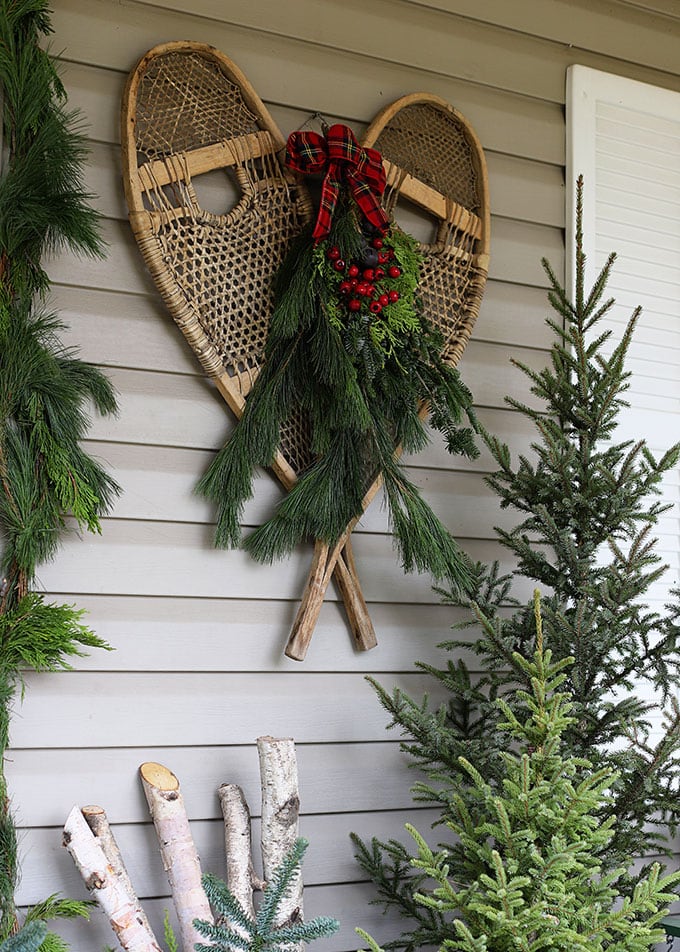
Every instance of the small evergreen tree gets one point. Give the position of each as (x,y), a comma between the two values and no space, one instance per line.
(45,392)
(587,510)
(528,871)
(235,929)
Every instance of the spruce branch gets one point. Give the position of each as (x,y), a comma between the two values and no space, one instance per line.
(29,939)
(234,928)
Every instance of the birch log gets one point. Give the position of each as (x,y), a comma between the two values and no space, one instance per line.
(106,887)
(241,877)
(98,822)
(280,815)
(178,851)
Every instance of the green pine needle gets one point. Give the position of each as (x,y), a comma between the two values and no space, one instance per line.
(235,929)
(46,396)
(360,384)
(586,509)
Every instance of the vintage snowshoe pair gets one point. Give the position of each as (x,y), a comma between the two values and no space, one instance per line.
(187,111)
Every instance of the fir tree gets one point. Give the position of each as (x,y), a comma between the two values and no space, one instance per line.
(45,392)
(235,929)
(588,506)
(525,871)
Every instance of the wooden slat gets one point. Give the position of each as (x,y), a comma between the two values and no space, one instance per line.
(161,172)
(415,39)
(524,189)
(329,858)
(430,199)
(141,558)
(380,778)
(178,634)
(348,903)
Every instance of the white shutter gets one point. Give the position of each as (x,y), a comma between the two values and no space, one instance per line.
(624,138)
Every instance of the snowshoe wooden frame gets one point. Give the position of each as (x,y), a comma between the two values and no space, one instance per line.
(187,109)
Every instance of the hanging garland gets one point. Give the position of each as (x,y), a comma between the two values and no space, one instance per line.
(46,393)
(350,346)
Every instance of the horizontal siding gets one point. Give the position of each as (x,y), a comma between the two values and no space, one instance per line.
(239,634)
(347,902)
(329,858)
(637,37)
(197,671)
(667,8)
(508,123)
(196,708)
(166,558)
(109,776)
(423,42)
(135,332)
(517,248)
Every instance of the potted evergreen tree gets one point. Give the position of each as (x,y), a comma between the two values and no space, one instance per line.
(527,852)
(587,508)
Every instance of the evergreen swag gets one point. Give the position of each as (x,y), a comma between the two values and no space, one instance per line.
(587,511)
(525,872)
(235,929)
(45,392)
(359,376)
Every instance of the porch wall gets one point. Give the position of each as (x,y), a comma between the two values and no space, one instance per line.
(198,671)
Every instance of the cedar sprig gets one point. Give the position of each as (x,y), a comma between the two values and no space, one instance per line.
(46,395)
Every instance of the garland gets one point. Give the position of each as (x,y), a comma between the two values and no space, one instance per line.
(350,347)
(46,394)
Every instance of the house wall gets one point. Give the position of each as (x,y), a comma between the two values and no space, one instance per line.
(198,672)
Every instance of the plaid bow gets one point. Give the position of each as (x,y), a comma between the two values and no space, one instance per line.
(340,156)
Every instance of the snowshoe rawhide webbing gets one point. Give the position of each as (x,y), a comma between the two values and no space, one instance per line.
(188,110)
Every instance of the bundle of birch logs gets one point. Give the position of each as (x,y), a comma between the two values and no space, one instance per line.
(89,840)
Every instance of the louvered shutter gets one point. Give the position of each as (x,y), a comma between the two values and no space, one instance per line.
(624,137)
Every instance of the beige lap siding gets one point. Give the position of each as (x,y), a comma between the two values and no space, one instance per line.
(198,672)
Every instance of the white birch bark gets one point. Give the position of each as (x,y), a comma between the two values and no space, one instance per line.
(241,877)
(280,815)
(98,822)
(178,851)
(102,881)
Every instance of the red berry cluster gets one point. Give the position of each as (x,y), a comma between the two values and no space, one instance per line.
(364,285)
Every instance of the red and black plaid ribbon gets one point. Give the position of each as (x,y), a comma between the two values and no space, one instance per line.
(340,156)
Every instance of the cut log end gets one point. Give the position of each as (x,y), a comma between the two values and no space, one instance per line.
(92,809)
(156,775)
